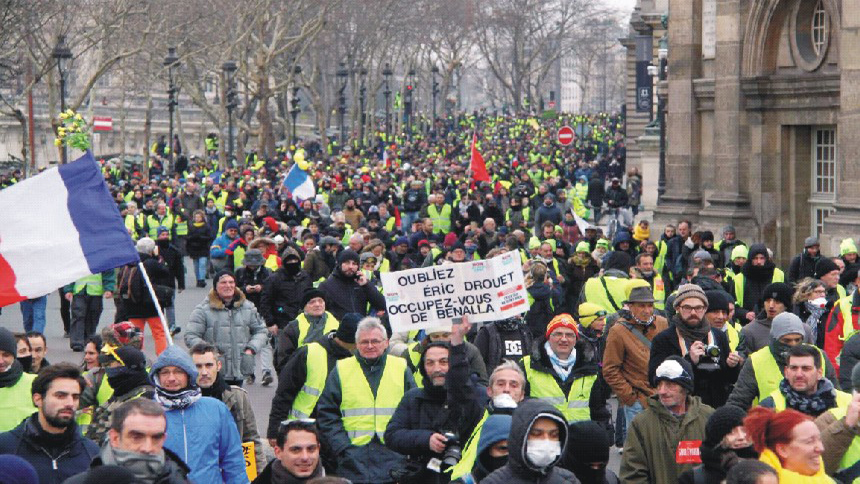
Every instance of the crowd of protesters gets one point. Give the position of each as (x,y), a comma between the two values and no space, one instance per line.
(724,367)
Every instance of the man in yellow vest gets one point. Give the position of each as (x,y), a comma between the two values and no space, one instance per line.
(763,370)
(16,401)
(442,412)
(440,213)
(608,290)
(838,428)
(85,294)
(804,387)
(359,398)
(302,380)
(645,265)
(561,372)
(311,325)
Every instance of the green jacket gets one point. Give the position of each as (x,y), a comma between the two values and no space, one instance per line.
(652,441)
(237,401)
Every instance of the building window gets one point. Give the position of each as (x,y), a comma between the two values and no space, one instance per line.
(819,28)
(824,163)
(819,214)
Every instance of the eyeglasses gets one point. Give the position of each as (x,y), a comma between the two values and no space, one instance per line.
(690,309)
(557,335)
(371,342)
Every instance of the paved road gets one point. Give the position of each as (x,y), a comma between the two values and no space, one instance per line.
(58,346)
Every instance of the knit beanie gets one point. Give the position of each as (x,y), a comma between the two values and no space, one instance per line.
(588,442)
(8,342)
(347,255)
(450,239)
(219,275)
(717,300)
(780,291)
(311,294)
(728,229)
(676,370)
(563,320)
(231,224)
(348,327)
(589,312)
(687,291)
(722,422)
(786,323)
(740,251)
(583,247)
(847,246)
(707,235)
(129,356)
(702,255)
(17,470)
(824,266)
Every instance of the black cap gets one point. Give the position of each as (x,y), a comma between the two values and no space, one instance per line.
(347,255)
(780,291)
(717,300)
(347,328)
(722,422)
(824,266)
(311,294)
(8,342)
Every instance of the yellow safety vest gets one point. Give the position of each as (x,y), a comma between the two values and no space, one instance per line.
(131,226)
(16,402)
(331,324)
(842,399)
(595,293)
(220,200)
(415,358)
(660,260)
(470,451)
(153,224)
(852,454)
(738,279)
(181,226)
(92,283)
(580,190)
(317,372)
(441,218)
(733,332)
(767,374)
(659,292)
(543,386)
(363,415)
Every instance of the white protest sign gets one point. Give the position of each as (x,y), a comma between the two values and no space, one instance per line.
(485,290)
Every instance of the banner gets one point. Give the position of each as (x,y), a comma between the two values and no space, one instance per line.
(438,296)
(248,452)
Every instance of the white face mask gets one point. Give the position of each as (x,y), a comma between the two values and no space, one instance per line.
(504,401)
(541,453)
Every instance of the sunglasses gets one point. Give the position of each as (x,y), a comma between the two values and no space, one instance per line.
(598,314)
(299,423)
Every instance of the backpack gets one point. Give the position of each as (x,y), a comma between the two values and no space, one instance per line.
(131,285)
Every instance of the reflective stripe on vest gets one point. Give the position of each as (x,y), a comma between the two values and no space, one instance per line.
(316,366)
(362,415)
(852,454)
(470,451)
(331,324)
(92,283)
(181,227)
(441,218)
(544,387)
(842,399)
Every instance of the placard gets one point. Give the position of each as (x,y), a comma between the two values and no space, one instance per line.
(249,453)
(438,296)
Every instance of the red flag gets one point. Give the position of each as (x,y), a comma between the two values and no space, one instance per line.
(478,167)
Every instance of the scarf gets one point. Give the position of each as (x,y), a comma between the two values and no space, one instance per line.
(692,334)
(561,367)
(581,259)
(145,467)
(177,400)
(814,404)
(123,379)
(641,234)
(626,315)
(217,389)
(790,477)
(12,375)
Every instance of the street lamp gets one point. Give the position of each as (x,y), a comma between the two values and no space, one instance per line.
(386,73)
(62,53)
(232,101)
(342,74)
(433,71)
(171,62)
(294,112)
(362,90)
(663,55)
(407,101)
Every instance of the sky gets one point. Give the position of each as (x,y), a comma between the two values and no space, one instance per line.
(623,5)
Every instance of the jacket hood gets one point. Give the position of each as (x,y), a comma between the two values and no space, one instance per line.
(496,428)
(707,284)
(522,421)
(621,236)
(262,243)
(174,356)
(618,260)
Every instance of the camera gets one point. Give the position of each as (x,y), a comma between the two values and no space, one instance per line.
(453,450)
(713,351)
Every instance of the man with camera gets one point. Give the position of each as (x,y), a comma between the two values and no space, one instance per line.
(706,349)
(431,423)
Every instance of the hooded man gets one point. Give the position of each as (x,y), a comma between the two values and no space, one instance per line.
(587,454)
(200,430)
(580,267)
(692,338)
(347,290)
(726,443)
(749,286)
(777,299)
(15,401)
(125,370)
(536,444)
(136,444)
(492,450)
(674,422)
(763,370)
(803,264)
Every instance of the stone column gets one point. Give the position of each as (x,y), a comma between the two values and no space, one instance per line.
(845,222)
(727,204)
(683,196)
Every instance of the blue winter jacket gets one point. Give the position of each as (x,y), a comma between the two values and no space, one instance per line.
(205,437)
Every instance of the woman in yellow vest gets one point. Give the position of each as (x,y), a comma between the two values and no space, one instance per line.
(790,442)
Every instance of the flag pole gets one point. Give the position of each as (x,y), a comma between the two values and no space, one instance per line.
(155,301)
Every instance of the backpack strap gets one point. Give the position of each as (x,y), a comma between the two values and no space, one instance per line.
(609,294)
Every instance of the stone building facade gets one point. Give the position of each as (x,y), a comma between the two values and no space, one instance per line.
(763,120)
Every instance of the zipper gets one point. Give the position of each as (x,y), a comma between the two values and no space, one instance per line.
(184,434)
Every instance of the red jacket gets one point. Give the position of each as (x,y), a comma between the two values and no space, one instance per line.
(834,333)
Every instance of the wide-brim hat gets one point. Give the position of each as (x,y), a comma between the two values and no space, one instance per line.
(640,295)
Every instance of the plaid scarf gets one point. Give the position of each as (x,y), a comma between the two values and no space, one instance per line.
(813,405)
(177,400)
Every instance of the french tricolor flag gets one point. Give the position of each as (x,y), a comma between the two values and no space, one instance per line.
(58,227)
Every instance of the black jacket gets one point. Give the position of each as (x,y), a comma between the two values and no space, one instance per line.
(712,386)
(425,411)
(293,377)
(491,338)
(344,295)
(70,454)
(802,265)
(198,241)
(281,300)
(174,471)
(247,277)
(266,475)
(159,275)
(544,304)
(519,470)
